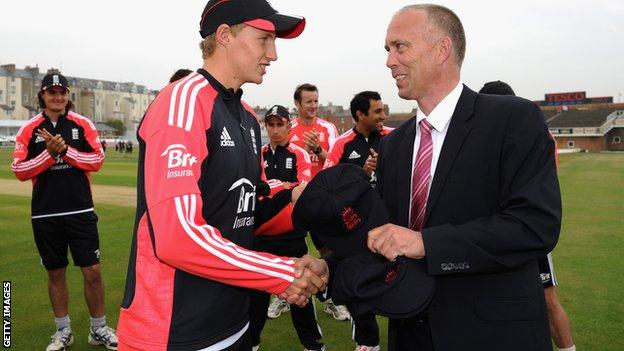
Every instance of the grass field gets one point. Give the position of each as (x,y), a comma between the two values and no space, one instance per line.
(119,168)
(589,260)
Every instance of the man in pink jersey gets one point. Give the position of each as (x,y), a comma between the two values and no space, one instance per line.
(317,136)
(201,192)
(310,131)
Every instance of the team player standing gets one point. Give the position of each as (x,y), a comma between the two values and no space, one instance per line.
(359,146)
(285,165)
(317,136)
(58,149)
(201,193)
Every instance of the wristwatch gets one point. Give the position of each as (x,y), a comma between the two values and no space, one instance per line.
(318,150)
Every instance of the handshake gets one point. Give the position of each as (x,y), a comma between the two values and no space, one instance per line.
(311,276)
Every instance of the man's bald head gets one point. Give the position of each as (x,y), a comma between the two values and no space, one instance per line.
(447,23)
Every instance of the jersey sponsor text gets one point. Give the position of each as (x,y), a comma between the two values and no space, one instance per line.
(246,202)
(178,158)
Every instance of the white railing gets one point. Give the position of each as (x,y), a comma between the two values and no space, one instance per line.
(616,118)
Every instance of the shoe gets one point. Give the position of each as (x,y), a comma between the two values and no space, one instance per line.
(339,312)
(103,336)
(367,348)
(60,340)
(322,349)
(255,348)
(276,308)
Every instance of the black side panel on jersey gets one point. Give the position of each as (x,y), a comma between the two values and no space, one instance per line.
(140,211)
(195,308)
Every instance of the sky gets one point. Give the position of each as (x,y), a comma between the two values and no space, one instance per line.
(537,47)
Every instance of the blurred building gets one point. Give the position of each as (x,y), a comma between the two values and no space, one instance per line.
(577,122)
(99,100)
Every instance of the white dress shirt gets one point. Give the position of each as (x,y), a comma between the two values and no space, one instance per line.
(439,119)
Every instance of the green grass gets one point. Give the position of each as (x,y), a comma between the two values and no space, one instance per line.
(588,261)
(118,169)
(32,322)
(31,313)
(589,258)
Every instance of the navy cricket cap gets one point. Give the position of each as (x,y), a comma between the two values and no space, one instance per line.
(339,207)
(54,79)
(255,13)
(369,283)
(278,111)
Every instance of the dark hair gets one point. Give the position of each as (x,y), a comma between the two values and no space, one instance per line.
(447,21)
(179,74)
(302,87)
(361,102)
(69,107)
(497,88)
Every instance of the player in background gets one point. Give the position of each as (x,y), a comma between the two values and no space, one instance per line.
(58,149)
(317,136)
(359,146)
(285,165)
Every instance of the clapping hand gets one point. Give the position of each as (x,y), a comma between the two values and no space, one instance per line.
(311,140)
(54,143)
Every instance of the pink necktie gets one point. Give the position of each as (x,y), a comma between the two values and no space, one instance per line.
(421,175)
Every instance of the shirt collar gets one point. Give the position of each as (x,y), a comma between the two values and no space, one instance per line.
(225,92)
(442,113)
(61,116)
(370,135)
(285,146)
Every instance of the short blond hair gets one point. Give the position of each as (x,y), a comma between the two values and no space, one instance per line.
(209,44)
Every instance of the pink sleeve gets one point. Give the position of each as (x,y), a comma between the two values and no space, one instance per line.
(87,161)
(334,154)
(27,169)
(304,164)
(182,237)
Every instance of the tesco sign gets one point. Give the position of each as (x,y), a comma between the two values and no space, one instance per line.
(573,97)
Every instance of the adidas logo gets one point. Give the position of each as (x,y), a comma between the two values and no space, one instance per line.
(39,139)
(226,140)
(294,138)
(354,155)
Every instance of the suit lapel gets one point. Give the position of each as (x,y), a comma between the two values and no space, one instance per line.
(405,153)
(459,128)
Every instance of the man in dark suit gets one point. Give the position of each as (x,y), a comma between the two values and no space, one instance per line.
(471,189)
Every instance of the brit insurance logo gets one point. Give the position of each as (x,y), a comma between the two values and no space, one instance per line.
(246,203)
(179,162)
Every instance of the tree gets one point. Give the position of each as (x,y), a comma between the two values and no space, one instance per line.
(118,125)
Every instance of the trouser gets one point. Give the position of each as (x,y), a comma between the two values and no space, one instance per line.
(303,319)
(413,333)
(365,330)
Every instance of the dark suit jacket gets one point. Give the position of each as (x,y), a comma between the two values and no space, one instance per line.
(494,208)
